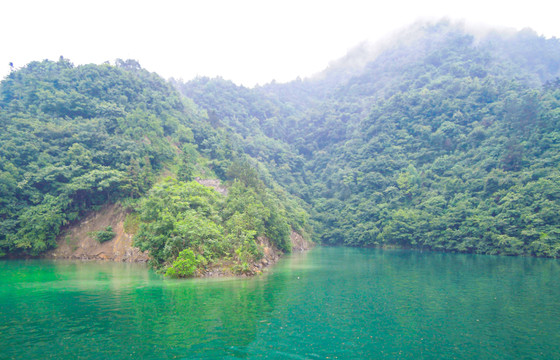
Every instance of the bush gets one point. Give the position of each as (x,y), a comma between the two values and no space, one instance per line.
(105,235)
(242,269)
(185,265)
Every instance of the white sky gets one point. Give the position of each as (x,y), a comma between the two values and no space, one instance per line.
(247,41)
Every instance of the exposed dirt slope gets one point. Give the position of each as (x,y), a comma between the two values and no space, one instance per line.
(77,241)
(213,183)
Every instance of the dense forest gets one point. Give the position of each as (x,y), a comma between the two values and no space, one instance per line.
(75,137)
(438,139)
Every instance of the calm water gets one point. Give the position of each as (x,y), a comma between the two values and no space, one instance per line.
(333,303)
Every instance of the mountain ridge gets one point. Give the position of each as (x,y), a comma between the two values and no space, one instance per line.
(379,146)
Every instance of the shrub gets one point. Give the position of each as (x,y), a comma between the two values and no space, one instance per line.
(185,265)
(105,235)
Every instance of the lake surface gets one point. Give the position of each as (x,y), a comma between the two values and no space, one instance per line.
(329,303)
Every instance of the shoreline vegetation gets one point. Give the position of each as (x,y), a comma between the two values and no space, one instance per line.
(78,241)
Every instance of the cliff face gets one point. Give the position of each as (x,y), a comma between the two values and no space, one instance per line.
(216,184)
(299,244)
(77,241)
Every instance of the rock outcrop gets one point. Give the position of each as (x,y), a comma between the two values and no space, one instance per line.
(299,243)
(213,183)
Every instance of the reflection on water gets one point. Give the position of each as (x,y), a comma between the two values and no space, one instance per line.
(329,302)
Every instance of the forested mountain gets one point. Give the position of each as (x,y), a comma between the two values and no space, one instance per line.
(439,140)
(75,137)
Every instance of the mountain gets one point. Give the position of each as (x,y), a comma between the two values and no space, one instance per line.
(438,139)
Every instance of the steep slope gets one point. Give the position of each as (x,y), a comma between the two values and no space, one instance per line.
(78,240)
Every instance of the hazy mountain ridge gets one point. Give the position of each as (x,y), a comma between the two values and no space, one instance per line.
(404,148)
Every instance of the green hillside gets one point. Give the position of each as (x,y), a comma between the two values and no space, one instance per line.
(440,140)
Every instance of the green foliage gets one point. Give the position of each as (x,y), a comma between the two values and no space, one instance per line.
(38,226)
(73,138)
(187,164)
(131,223)
(177,215)
(184,265)
(278,228)
(439,142)
(105,235)
(446,159)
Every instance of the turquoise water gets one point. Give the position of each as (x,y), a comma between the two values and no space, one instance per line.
(334,303)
